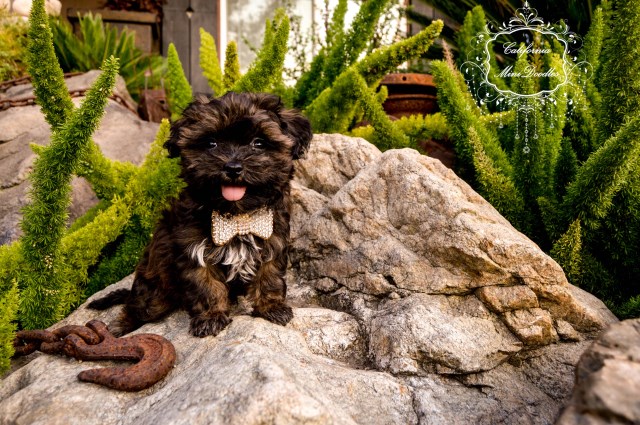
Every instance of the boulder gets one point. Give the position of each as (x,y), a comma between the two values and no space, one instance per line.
(254,372)
(607,389)
(415,302)
(122,135)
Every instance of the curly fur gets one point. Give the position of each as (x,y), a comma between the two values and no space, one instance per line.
(181,267)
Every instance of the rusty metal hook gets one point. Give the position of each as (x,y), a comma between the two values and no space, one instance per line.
(155,355)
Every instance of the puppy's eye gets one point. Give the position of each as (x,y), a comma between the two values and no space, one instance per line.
(213,145)
(258,143)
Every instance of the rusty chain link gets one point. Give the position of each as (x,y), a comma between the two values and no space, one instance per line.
(27,79)
(31,100)
(155,355)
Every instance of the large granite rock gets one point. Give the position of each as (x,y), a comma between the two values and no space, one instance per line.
(607,389)
(416,302)
(122,135)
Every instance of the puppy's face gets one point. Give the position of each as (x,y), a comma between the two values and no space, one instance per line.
(237,151)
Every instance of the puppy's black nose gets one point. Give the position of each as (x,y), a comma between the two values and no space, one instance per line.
(233,168)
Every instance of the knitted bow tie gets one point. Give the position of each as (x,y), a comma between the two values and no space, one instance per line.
(225,227)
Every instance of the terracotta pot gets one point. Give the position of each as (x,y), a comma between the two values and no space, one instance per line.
(410,94)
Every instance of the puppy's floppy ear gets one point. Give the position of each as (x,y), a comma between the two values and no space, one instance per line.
(298,128)
(171,144)
(189,115)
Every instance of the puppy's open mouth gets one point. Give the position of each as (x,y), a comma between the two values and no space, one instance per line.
(233,193)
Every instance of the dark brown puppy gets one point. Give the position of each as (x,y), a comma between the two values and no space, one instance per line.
(237,154)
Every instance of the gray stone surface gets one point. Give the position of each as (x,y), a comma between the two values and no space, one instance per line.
(121,136)
(607,389)
(254,372)
(333,162)
(416,302)
(424,333)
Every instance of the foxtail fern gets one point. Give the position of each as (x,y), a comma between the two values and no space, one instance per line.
(209,62)
(179,94)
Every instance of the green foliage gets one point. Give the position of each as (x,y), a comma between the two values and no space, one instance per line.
(387,135)
(474,24)
(45,274)
(620,78)
(593,43)
(577,13)
(335,108)
(494,186)
(179,91)
(335,29)
(266,71)
(566,169)
(231,66)
(462,114)
(306,88)
(385,59)
(209,62)
(8,309)
(590,196)
(13,39)
(348,47)
(580,124)
(629,309)
(347,87)
(567,251)
(148,192)
(574,190)
(616,244)
(107,177)
(48,79)
(417,128)
(52,95)
(98,41)
(342,50)
(44,218)
(10,265)
(84,246)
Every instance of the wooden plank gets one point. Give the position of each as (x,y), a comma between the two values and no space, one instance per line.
(205,16)
(175,26)
(185,34)
(117,15)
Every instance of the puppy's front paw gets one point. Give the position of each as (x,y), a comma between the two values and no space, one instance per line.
(208,325)
(279,313)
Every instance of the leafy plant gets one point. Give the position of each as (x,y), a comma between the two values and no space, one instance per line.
(13,39)
(578,14)
(45,273)
(339,86)
(98,41)
(417,128)
(231,67)
(573,190)
(209,62)
(179,93)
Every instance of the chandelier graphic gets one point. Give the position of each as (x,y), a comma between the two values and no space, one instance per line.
(541,66)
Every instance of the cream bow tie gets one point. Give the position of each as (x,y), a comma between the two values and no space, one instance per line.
(224,228)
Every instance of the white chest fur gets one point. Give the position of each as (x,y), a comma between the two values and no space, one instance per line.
(241,256)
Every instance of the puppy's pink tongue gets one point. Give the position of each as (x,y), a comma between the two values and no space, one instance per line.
(233,193)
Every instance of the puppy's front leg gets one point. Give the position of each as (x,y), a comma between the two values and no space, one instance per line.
(268,293)
(207,302)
